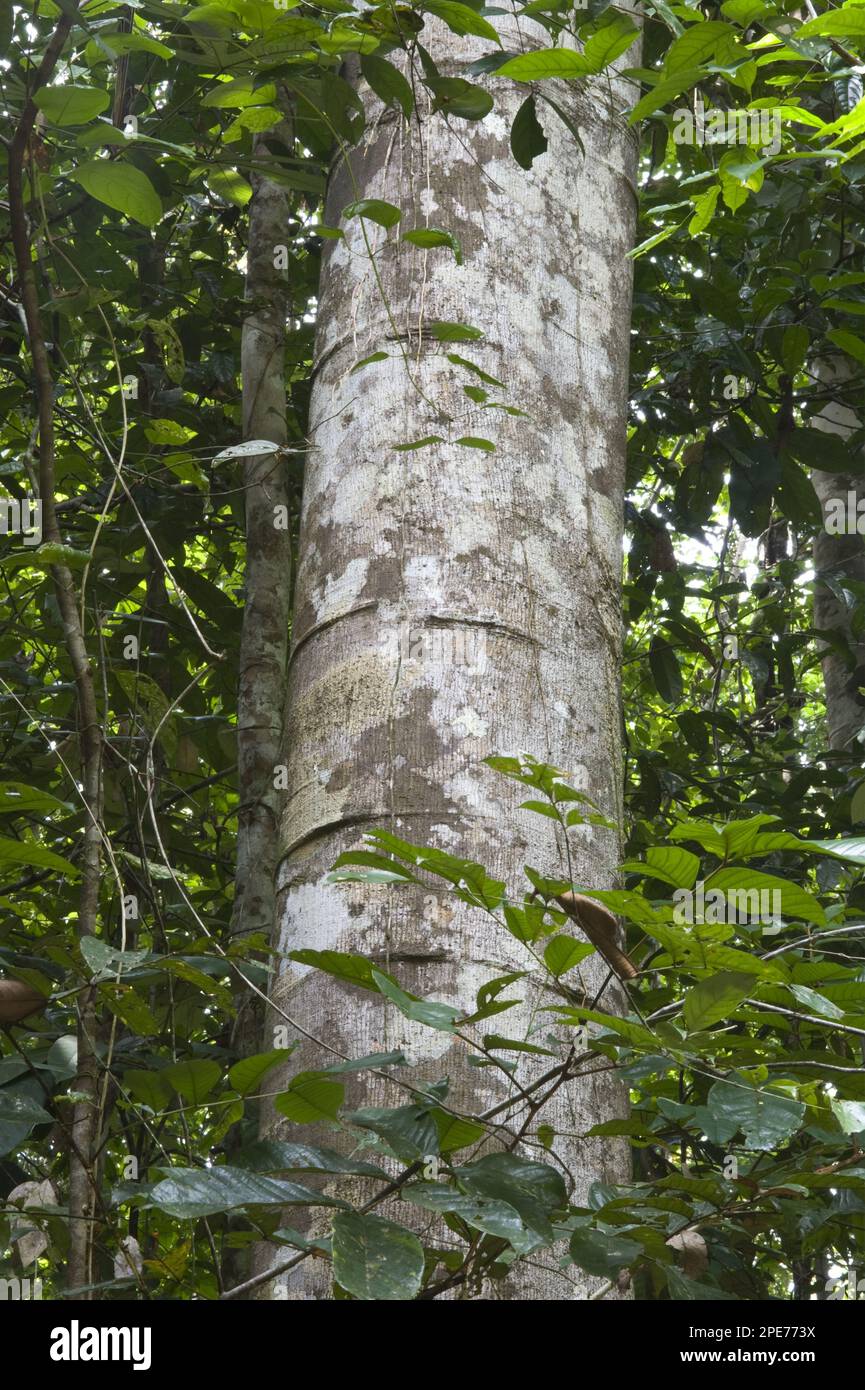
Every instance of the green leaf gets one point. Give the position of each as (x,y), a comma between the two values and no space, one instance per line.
(747,887)
(461,19)
(387,82)
(357,970)
(105,960)
(681,1287)
(18,1108)
(18,796)
(456,97)
(698,43)
(472,441)
(376,1260)
(494,1218)
(148,1088)
(274,1156)
(765,1118)
(122,187)
(564,952)
(715,998)
(528,140)
(374,210)
(664,91)
(71,105)
(704,210)
(447,332)
(850,343)
(603,1252)
(669,864)
(850,1115)
(129,1006)
(455,1133)
(193,1080)
(814,1002)
(189,1193)
(418,443)
(794,347)
(230,185)
(845,22)
(545,62)
(429,237)
(27,852)
(535,1190)
(409,1130)
(441,1016)
(610,41)
(665,669)
(310,1097)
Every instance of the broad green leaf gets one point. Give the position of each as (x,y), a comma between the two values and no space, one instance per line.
(715,998)
(456,97)
(455,1133)
(766,1119)
(704,210)
(69,104)
(747,890)
(18,796)
(429,237)
(189,1193)
(105,960)
(603,1252)
(376,1260)
(528,140)
(28,852)
(850,1115)
(129,1006)
(357,970)
(441,1016)
(374,210)
(494,1218)
(275,1156)
(388,83)
(193,1079)
(461,19)
(696,45)
(409,1130)
(564,952)
(535,1190)
(310,1097)
(843,22)
(122,187)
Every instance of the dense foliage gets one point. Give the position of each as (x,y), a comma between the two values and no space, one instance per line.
(743,1047)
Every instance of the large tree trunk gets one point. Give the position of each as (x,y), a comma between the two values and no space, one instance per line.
(454,603)
(839,559)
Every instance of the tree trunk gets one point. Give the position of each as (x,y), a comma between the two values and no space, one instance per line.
(454,603)
(267,581)
(838,560)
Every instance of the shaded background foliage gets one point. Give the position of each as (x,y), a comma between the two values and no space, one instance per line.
(749,274)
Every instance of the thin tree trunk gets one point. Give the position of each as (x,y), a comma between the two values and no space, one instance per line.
(454,603)
(838,560)
(264,633)
(83,1179)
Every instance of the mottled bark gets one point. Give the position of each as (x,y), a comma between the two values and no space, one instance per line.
(264,632)
(454,603)
(839,559)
